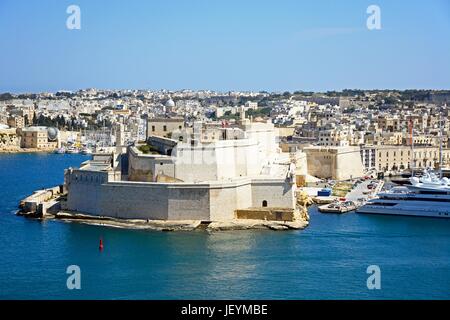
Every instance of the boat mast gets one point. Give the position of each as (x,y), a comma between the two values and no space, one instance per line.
(411,142)
(440,143)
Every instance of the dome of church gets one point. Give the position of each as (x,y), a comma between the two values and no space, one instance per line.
(170,103)
(52,133)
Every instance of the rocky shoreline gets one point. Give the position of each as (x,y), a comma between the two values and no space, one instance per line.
(48,204)
(23,150)
(178,225)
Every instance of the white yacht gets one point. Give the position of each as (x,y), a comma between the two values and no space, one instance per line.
(428,196)
(86,150)
(61,150)
(72,150)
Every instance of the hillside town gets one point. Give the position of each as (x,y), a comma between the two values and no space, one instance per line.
(342,135)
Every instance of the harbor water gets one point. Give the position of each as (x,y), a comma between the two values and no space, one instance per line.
(328,260)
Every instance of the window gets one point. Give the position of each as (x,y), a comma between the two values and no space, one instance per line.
(153,128)
(264,203)
(164,128)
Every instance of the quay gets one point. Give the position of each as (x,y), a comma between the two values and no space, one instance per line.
(354,199)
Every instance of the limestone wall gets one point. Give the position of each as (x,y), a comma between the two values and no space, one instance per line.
(224,199)
(145,168)
(274,192)
(338,163)
(195,164)
(321,162)
(31,204)
(301,163)
(139,170)
(265,134)
(349,164)
(84,190)
(133,201)
(162,144)
(216,161)
(222,160)
(97,193)
(188,202)
(271,214)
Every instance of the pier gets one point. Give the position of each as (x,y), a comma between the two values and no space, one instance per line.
(354,199)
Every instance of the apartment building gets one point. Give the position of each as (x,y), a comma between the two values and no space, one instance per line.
(397,158)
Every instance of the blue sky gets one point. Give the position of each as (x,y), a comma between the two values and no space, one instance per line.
(224,45)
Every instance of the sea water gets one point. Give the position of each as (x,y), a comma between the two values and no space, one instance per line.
(327,260)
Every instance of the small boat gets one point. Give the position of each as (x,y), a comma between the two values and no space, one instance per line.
(61,150)
(325,192)
(86,150)
(338,207)
(400,181)
(72,150)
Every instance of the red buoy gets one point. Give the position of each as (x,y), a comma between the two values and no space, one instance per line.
(101,245)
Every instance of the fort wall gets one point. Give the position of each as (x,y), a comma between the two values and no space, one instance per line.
(97,193)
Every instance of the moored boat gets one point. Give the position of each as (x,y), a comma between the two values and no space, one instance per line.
(72,150)
(428,196)
(86,150)
(338,207)
(61,150)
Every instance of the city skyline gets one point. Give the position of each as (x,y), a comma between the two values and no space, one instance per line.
(224,46)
